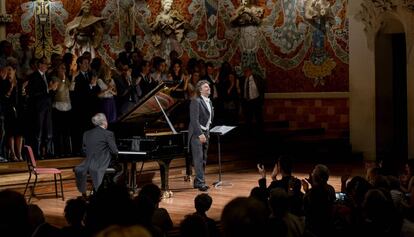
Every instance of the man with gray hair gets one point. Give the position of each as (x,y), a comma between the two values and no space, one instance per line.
(318,202)
(99,147)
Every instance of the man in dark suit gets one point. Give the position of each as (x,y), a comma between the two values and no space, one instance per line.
(144,81)
(40,104)
(252,90)
(127,91)
(99,147)
(85,100)
(201,117)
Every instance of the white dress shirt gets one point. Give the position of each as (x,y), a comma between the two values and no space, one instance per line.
(207,101)
(253,91)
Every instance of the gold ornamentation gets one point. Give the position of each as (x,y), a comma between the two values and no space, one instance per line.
(318,72)
(6,18)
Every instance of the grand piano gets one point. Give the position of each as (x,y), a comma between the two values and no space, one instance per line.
(146,133)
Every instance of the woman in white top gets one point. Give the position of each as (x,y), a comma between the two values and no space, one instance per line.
(62,108)
(107,93)
(160,67)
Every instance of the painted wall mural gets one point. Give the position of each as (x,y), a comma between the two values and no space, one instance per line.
(297,45)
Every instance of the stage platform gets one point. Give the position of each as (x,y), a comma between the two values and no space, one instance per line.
(241,174)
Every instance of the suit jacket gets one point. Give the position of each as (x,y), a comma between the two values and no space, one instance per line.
(99,147)
(146,85)
(199,115)
(39,97)
(85,97)
(260,84)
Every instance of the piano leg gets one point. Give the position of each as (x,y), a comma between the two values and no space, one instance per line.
(133,177)
(164,172)
(126,174)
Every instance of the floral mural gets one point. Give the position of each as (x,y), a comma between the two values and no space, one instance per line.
(291,43)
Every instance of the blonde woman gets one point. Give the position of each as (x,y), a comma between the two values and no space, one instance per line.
(107,93)
(62,107)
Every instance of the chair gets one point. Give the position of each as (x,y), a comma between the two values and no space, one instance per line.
(34,170)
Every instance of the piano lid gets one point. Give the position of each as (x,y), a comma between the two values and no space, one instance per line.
(147,109)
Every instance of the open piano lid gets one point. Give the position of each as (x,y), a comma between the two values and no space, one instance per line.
(147,109)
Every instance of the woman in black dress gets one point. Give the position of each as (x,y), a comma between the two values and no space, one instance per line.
(12,99)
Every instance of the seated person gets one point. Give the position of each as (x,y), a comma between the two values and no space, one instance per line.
(202,204)
(160,217)
(99,147)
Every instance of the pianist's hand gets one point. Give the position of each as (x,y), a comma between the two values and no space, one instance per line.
(202,138)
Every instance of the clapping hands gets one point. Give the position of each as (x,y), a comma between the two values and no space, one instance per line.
(261,169)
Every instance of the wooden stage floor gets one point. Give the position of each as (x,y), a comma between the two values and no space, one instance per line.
(182,202)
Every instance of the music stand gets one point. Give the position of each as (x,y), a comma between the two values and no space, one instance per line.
(220,131)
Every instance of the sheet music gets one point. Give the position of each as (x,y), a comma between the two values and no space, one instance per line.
(222,129)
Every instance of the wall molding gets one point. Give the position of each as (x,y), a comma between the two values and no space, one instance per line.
(308,95)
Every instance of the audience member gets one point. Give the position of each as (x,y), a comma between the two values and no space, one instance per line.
(39,91)
(193,225)
(318,203)
(288,182)
(160,67)
(13,105)
(282,222)
(75,210)
(144,81)
(55,61)
(230,98)
(24,54)
(126,54)
(380,216)
(128,92)
(107,93)
(70,65)
(407,179)
(145,210)
(124,231)
(261,195)
(85,103)
(6,50)
(112,205)
(252,91)
(190,85)
(62,111)
(160,217)
(202,204)
(13,214)
(244,217)
(39,226)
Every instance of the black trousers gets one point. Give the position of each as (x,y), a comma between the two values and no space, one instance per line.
(253,109)
(43,132)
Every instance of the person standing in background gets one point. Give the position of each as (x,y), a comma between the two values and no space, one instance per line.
(252,89)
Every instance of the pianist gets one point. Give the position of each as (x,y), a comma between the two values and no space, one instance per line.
(201,116)
(99,147)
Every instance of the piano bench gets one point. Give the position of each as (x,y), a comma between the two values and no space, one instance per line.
(107,179)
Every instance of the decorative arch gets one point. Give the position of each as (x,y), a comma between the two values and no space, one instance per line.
(376,14)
